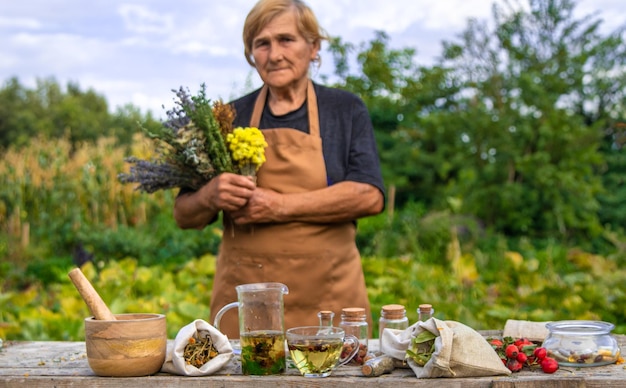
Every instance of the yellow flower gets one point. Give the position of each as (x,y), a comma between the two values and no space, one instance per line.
(247,147)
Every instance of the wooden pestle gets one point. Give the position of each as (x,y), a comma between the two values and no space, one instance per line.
(95,303)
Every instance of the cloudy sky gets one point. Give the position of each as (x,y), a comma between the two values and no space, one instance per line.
(138,51)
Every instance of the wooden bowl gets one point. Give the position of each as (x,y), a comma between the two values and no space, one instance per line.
(131,345)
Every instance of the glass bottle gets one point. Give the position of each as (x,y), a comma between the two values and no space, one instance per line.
(354,321)
(326,318)
(425,312)
(392,316)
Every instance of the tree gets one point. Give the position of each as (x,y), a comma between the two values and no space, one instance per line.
(17,119)
(518,122)
(52,112)
(401,96)
(535,155)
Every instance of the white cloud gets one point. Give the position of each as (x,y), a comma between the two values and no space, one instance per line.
(452,15)
(56,52)
(395,16)
(612,12)
(19,23)
(140,19)
(136,52)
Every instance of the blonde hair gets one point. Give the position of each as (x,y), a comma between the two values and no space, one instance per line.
(265,11)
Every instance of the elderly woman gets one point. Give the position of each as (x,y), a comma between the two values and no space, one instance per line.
(297,224)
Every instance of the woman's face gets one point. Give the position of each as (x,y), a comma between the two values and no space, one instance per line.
(281,54)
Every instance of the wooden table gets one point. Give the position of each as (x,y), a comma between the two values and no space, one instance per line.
(64,364)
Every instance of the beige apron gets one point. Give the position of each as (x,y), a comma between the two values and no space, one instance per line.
(319,263)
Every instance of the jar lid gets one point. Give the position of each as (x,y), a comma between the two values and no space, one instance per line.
(353,312)
(425,307)
(393,307)
(325,314)
(393,311)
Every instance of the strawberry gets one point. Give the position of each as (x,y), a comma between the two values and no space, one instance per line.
(511,351)
(540,354)
(549,365)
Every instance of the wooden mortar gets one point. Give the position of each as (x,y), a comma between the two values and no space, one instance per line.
(122,345)
(132,345)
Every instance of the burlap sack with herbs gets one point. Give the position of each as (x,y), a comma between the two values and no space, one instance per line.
(459,351)
(175,362)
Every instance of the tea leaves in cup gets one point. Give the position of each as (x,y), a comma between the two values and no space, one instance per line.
(316,358)
(316,350)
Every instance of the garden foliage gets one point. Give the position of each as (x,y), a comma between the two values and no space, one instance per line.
(129,247)
(504,162)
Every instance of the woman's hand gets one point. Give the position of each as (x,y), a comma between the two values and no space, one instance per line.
(263,206)
(228,192)
(341,202)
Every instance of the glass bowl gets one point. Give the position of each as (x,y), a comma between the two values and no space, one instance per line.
(581,343)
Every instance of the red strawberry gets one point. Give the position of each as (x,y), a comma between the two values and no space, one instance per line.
(511,351)
(540,354)
(514,365)
(549,365)
(522,358)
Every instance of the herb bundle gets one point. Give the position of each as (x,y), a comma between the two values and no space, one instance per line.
(196,143)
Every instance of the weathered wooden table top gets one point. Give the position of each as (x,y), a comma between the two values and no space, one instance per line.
(64,364)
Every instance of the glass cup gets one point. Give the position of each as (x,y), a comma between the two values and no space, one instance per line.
(316,351)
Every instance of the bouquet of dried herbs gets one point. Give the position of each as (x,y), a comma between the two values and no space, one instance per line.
(196,143)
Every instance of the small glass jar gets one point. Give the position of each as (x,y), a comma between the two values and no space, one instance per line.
(581,343)
(354,321)
(392,316)
(425,312)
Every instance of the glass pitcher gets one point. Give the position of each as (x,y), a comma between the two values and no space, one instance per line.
(261,327)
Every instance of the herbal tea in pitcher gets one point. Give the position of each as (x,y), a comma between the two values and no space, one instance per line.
(262,353)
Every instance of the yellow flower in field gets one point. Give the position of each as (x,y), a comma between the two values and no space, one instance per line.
(247,148)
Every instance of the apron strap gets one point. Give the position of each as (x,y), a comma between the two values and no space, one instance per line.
(258,107)
(314,122)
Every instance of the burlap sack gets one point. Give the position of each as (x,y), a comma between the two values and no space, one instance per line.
(460,351)
(533,331)
(175,362)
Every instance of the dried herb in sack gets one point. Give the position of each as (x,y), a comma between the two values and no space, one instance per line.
(199,351)
(422,347)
